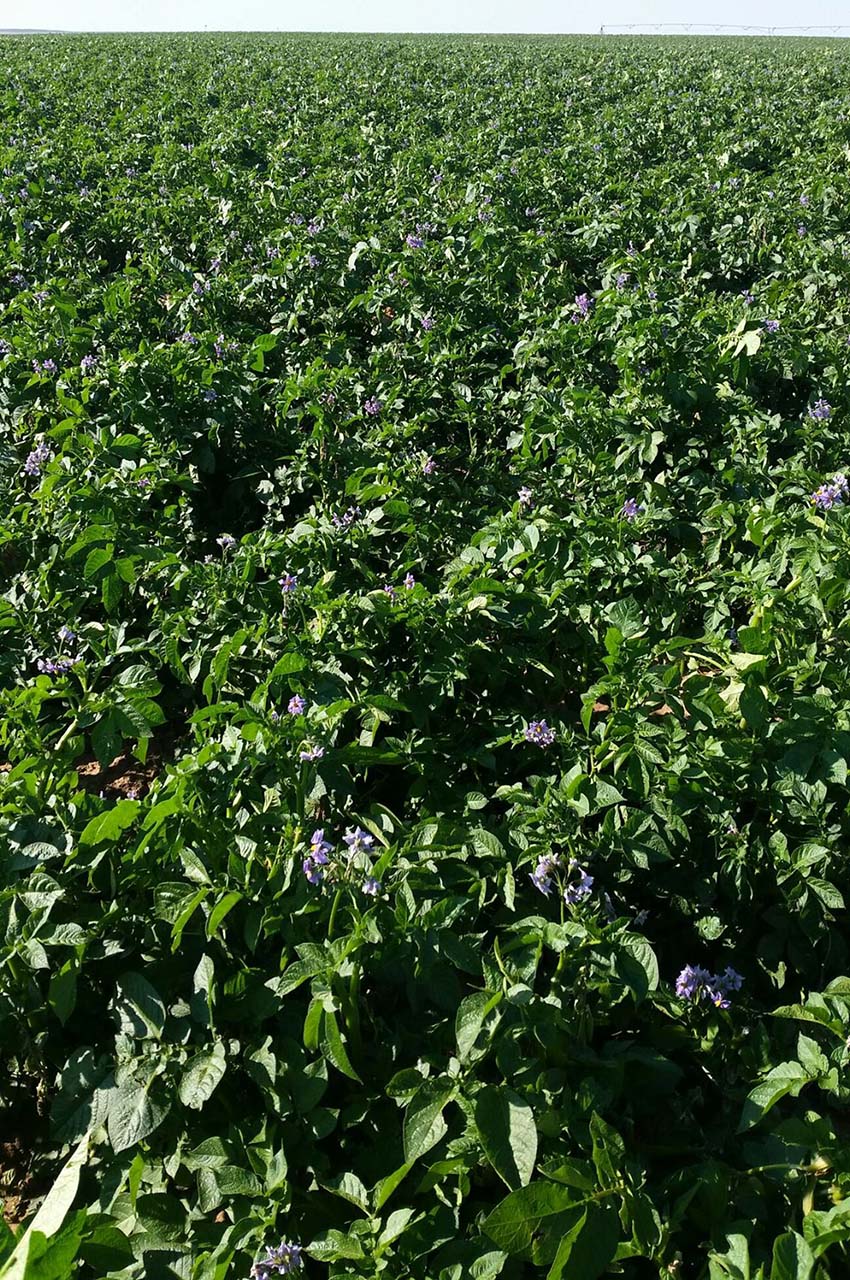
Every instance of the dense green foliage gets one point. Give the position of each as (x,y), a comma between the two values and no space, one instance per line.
(363,404)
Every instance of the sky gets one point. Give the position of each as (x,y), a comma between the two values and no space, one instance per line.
(422,15)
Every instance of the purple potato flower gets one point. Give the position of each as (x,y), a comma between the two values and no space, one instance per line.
(311,753)
(347,519)
(35,459)
(429,466)
(227,541)
(409,581)
(820,410)
(318,857)
(56,666)
(770,326)
(280,1260)
(358,841)
(541,876)
(371,886)
(296,705)
(581,888)
(526,497)
(696,983)
(831,495)
(630,509)
(372,406)
(539,732)
(288,583)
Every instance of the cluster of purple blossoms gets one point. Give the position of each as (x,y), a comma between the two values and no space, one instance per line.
(583,304)
(581,887)
(44,366)
(215,264)
(41,295)
(200,287)
(804,200)
(359,843)
(281,1260)
(389,590)
(314,226)
(209,394)
(832,495)
(427,322)
(221,346)
(288,583)
(630,510)
(695,983)
(802,230)
(539,732)
(526,497)
(66,635)
(88,362)
(318,857)
(372,406)
(56,666)
(227,541)
(409,581)
(296,705)
(311,753)
(621,280)
(188,338)
(770,326)
(541,876)
(414,242)
(313,260)
(429,466)
(347,519)
(748,297)
(36,458)
(820,410)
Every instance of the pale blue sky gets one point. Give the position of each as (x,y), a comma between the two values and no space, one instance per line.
(420,15)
